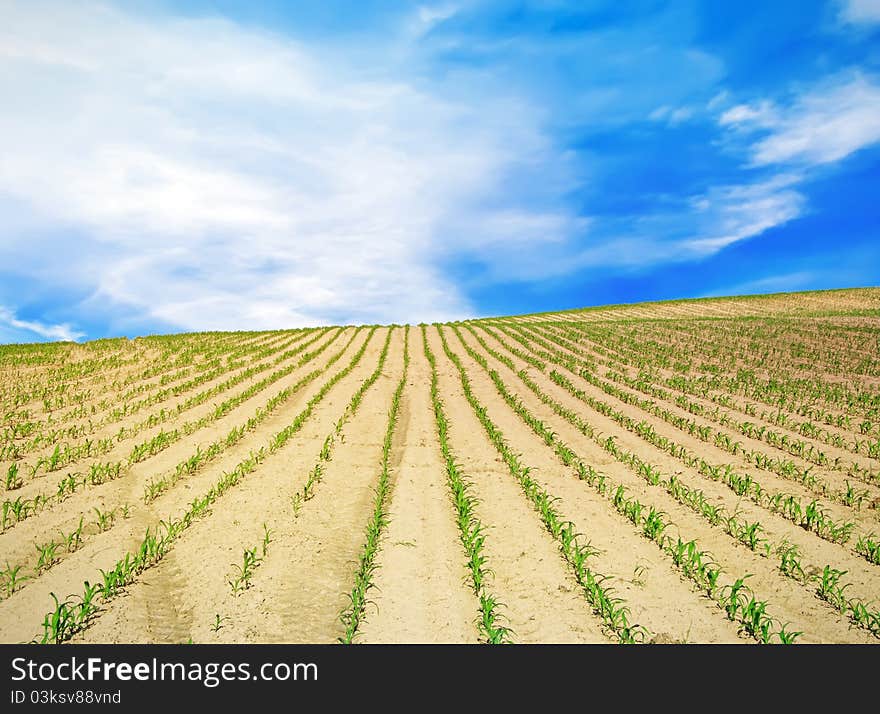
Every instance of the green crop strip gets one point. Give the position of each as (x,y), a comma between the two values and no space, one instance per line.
(94,447)
(612,611)
(471,531)
(812,517)
(698,565)
(748,534)
(14,512)
(244,571)
(703,386)
(307,492)
(353,615)
(777,391)
(792,445)
(75,613)
(201,458)
(784,468)
(164,439)
(858,611)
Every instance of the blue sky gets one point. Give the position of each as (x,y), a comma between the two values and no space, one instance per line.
(198,165)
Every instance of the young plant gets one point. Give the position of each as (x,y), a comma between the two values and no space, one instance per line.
(103,519)
(48,555)
(13,480)
(242,579)
(829,588)
(218,622)
(12,578)
(267,538)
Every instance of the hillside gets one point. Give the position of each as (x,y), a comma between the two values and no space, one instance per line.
(696,470)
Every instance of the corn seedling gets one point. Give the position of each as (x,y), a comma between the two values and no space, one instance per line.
(12,578)
(267,538)
(13,480)
(241,580)
(103,519)
(218,622)
(47,555)
(869,547)
(829,588)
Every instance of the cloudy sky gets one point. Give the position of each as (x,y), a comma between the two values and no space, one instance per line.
(197,165)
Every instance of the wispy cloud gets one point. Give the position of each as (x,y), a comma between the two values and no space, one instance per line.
(672,115)
(825,124)
(821,125)
(734,213)
(860,11)
(220,177)
(25,330)
(427,17)
(701,225)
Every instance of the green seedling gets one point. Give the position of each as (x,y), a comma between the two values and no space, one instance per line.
(48,555)
(12,578)
(829,588)
(244,572)
(267,538)
(13,480)
(103,519)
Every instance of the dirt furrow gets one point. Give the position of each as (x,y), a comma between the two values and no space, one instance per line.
(200,562)
(817,552)
(624,555)
(18,544)
(541,597)
(421,593)
(790,600)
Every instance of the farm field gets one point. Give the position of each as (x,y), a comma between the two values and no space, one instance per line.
(703,471)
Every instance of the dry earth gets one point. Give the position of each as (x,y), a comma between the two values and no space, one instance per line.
(695,471)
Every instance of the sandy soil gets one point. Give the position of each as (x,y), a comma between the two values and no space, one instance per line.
(421,590)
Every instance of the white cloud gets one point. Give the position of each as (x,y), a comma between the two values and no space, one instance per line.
(825,124)
(718,100)
(22,330)
(701,226)
(860,11)
(760,114)
(212,176)
(672,116)
(427,17)
(730,214)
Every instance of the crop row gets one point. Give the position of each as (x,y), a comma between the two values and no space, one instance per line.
(778,417)
(352,615)
(472,532)
(738,602)
(202,457)
(749,534)
(128,408)
(812,516)
(612,611)
(799,393)
(76,612)
(15,511)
